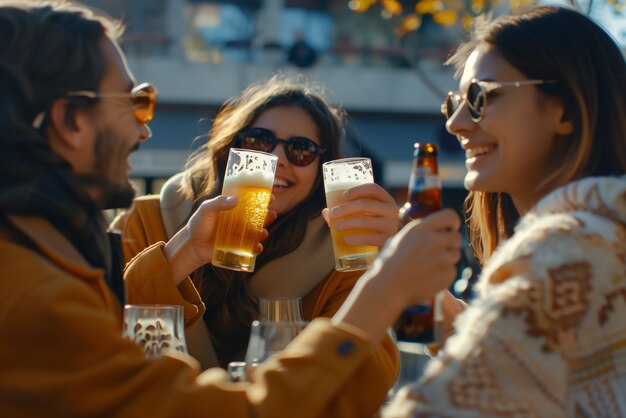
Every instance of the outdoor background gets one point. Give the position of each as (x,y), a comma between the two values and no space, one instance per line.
(381,60)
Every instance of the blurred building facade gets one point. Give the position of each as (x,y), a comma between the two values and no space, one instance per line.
(199,53)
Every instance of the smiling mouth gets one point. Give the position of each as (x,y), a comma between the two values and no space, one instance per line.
(478,151)
(280,183)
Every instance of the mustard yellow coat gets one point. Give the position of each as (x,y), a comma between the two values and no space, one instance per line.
(62,353)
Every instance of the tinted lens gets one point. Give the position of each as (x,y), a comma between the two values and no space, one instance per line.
(144,101)
(476,100)
(450,105)
(301,151)
(258,139)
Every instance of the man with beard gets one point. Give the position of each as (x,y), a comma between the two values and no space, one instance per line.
(70,116)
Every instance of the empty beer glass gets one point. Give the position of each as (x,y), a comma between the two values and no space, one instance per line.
(286,308)
(268,338)
(340,175)
(249,176)
(157,328)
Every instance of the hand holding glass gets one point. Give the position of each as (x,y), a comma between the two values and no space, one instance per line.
(340,175)
(249,176)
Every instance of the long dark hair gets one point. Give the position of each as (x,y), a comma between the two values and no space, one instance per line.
(45,52)
(225,292)
(559,44)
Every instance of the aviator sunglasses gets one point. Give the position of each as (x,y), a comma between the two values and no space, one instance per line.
(476,96)
(299,150)
(143,97)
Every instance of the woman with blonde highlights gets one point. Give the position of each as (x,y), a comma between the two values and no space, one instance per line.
(541,116)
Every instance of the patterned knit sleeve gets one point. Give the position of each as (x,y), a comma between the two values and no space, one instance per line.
(543,339)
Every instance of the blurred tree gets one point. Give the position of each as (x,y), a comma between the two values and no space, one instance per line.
(409,14)
(427,30)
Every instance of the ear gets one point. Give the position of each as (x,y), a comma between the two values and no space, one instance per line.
(68,123)
(564,125)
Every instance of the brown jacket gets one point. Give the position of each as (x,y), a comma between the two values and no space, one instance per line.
(62,353)
(143,226)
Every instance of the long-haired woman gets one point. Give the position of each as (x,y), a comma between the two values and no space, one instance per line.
(292,119)
(541,116)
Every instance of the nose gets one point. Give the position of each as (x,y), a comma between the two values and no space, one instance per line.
(460,121)
(279,150)
(144,132)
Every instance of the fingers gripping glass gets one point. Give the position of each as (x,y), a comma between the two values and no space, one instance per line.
(476,96)
(299,150)
(143,97)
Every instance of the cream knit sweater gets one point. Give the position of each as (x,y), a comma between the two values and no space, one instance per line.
(546,336)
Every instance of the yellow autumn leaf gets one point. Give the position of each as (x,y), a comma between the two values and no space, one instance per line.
(445,18)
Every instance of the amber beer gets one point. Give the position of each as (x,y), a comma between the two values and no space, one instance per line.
(422,323)
(340,175)
(349,257)
(249,177)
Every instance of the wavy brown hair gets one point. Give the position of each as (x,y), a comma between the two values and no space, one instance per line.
(560,44)
(225,292)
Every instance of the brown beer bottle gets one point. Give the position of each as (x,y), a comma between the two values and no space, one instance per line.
(422,323)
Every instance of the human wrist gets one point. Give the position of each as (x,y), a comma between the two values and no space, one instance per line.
(370,307)
(179,254)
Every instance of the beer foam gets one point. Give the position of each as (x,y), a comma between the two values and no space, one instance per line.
(248,179)
(341,185)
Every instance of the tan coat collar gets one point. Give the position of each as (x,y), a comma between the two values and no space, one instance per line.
(298,272)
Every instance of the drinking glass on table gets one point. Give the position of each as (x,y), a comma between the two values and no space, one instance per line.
(340,175)
(283,308)
(268,338)
(286,312)
(157,328)
(249,176)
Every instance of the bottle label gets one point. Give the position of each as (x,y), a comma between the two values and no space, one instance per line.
(424,180)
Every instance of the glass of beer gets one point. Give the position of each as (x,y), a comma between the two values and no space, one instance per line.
(249,176)
(340,175)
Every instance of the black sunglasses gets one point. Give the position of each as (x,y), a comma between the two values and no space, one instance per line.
(299,150)
(476,96)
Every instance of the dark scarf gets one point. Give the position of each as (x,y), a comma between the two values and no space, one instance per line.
(36,182)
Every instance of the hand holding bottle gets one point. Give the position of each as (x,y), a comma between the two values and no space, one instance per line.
(414,265)
(422,322)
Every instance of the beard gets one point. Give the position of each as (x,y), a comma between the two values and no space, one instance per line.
(111,161)
(113,196)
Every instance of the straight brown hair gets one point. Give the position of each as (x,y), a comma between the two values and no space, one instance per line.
(558,44)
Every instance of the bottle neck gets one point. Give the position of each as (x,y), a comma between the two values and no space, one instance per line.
(424,194)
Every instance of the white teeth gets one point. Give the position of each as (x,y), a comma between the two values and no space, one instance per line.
(280,183)
(474,152)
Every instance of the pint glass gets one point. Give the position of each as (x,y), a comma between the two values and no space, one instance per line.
(340,175)
(249,176)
